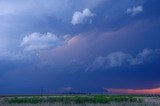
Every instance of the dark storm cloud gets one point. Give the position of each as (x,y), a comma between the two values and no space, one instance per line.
(58,54)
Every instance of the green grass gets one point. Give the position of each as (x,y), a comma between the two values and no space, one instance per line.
(80,100)
(71,99)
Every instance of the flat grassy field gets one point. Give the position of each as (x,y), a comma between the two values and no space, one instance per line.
(80,100)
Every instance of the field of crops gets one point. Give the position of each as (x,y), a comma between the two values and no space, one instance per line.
(79,100)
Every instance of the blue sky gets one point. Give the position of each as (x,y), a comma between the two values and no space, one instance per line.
(80,46)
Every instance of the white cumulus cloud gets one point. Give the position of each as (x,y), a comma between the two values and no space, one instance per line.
(134,10)
(38,41)
(81,17)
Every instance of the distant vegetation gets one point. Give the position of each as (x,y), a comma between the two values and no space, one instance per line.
(81,100)
(72,99)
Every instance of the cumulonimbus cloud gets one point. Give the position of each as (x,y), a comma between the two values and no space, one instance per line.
(38,41)
(134,10)
(81,17)
(118,59)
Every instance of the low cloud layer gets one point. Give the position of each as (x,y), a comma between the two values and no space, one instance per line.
(38,41)
(134,10)
(118,59)
(134,91)
(81,17)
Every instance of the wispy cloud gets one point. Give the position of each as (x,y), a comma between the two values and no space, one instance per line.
(81,17)
(118,59)
(8,55)
(38,41)
(145,56)
(134,10)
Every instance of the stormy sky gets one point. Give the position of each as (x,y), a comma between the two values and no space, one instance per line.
(91,46)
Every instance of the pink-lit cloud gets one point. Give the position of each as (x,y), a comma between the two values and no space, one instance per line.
(133,91)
